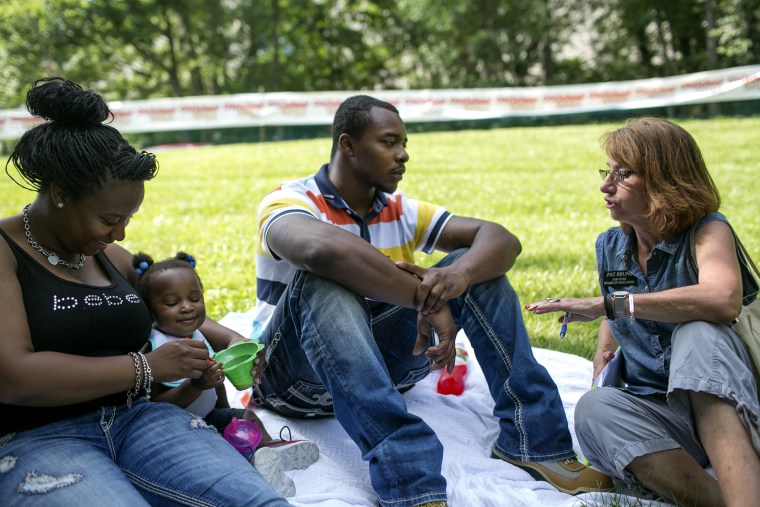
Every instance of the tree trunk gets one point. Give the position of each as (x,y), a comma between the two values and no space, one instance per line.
(713,108)
(276,45)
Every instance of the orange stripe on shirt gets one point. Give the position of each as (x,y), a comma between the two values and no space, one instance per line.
(333,215)
(390,213)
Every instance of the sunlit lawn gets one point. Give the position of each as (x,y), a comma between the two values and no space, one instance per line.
(541,183)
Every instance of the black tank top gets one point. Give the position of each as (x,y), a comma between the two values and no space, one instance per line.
(79,319)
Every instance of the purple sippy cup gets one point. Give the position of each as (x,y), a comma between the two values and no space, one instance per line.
(244,435)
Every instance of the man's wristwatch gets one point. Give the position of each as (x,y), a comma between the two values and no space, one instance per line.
(619,302)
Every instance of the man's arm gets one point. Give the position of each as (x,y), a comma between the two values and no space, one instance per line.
(492,248)
(349,260)
(342,257)
(492,251)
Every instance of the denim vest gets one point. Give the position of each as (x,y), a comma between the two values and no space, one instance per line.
(646,344)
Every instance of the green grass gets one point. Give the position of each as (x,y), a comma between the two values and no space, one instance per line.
(541,183)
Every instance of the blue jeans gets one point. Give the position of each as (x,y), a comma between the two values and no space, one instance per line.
(330,352)
(151,454)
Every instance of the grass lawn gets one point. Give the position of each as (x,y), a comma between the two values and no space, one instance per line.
(540,182)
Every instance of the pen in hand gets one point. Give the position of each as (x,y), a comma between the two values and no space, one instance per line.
(565,320)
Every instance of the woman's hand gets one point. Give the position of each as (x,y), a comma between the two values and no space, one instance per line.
(601,358)
(178,359)
(580,309)
(605,349)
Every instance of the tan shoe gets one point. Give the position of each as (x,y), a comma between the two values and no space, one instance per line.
(435,504)
(568,475)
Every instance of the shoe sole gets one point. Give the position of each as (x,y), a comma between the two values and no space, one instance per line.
(296,456)
(269,464)
(541,474)
(537,475)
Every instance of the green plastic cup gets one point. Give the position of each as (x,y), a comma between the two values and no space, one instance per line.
(237,362)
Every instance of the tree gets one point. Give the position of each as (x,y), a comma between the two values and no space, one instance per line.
(159,48)
(649,38)
(137,49)
(35,41)
(486,43)
(737,31)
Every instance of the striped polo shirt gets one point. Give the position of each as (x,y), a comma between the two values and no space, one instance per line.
(395,225)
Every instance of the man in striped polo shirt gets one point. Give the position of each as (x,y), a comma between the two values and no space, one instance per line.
(348,318)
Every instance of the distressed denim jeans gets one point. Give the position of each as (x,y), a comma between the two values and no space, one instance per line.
(330,352)
(128,458)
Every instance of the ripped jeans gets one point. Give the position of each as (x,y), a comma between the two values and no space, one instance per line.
(151,454)
(329,352)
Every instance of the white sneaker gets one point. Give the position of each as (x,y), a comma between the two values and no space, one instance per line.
(295,454)
(269,465)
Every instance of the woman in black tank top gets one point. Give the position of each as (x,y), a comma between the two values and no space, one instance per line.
(76,424)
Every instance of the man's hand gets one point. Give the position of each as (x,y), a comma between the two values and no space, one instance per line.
(443,354)
(437,287)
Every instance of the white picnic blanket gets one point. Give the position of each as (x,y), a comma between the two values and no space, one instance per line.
(464,424)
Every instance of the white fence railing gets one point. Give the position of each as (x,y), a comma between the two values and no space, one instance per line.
(318,108)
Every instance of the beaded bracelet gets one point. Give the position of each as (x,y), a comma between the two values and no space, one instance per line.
(132,393)
(147,375)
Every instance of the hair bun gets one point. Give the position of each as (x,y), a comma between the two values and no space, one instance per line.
(183,256)
(141,262)
(65,102)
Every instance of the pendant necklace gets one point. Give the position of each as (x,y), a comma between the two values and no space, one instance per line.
(52,257)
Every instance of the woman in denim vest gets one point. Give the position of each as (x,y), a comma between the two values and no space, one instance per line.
(684,396)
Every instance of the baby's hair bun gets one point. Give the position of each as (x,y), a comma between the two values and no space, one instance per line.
(182,256)
(65,102)
(141,262)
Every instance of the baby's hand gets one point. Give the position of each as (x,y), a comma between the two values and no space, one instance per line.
(212,377)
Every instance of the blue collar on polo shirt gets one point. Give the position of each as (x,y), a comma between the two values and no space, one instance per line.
(328,191)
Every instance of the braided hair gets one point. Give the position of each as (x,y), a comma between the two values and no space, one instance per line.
(73,148)
(145,268)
